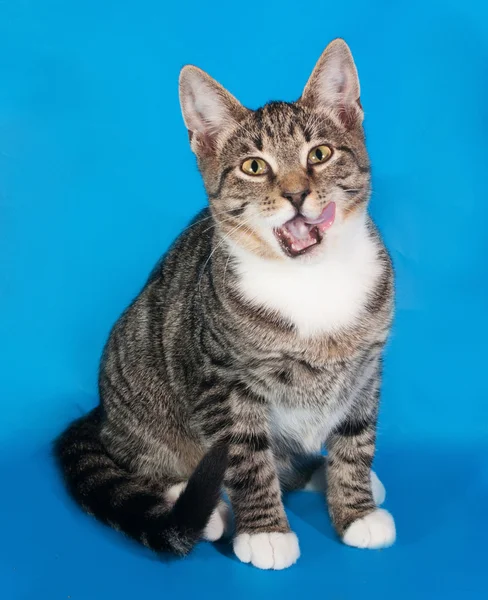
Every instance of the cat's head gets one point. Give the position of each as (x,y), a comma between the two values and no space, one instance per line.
(282,180)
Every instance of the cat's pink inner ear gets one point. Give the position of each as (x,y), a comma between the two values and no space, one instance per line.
(334,84)
(208,109)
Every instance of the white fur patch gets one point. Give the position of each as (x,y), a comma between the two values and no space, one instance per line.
(310,427)
(306,426)
(173,493)
(378,489)
(321,296)
(219,523)
(376,530)
(267,550)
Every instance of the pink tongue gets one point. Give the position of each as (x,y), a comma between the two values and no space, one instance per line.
(298,228)
(326,218)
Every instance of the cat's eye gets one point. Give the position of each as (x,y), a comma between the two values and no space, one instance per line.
(319,155)
(255,166)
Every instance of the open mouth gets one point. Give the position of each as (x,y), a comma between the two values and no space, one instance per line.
(298,235)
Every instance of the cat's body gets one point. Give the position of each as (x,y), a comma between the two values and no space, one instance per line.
(235,365)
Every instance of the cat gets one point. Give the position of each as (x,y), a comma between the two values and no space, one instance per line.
(256,340)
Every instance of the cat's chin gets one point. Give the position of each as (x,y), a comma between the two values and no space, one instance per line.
(313,254)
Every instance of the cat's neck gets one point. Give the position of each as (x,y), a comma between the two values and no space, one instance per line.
(322,296)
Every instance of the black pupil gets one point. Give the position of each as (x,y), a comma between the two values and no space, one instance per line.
(319,154)
(254,166)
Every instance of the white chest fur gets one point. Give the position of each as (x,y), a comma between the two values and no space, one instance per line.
(305,428)
(310,427)
(321,297)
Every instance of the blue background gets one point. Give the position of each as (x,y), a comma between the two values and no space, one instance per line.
(96,179)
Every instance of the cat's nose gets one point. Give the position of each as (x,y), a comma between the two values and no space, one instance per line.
(296,198)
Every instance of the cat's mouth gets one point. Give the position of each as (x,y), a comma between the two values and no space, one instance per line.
(300,234)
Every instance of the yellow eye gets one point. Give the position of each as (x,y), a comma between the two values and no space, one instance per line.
(318,155)
(255,166)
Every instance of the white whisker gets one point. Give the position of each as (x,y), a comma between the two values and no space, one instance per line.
(223,212)
(224,239)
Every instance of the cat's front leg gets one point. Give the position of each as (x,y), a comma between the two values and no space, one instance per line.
(263,537)
(351,503)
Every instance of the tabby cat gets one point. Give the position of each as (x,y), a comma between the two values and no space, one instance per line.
(256,341)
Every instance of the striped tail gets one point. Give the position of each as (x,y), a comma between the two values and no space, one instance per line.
(127,502)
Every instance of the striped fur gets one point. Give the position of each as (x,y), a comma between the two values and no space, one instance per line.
(236,363)
(133,503)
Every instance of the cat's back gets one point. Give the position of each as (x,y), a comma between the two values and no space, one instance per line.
(164,301)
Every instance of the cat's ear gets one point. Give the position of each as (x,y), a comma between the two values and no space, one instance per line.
(209,110)
(334,85)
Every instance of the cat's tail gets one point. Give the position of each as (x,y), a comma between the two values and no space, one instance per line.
(127,502)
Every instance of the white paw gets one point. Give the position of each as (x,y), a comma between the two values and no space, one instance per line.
(267,550)
(376,530)
(219,523)
(173,493)
(220,520)
(378,489)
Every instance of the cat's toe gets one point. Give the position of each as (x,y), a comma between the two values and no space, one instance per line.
(219,523)
(376,530)
(267,550)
